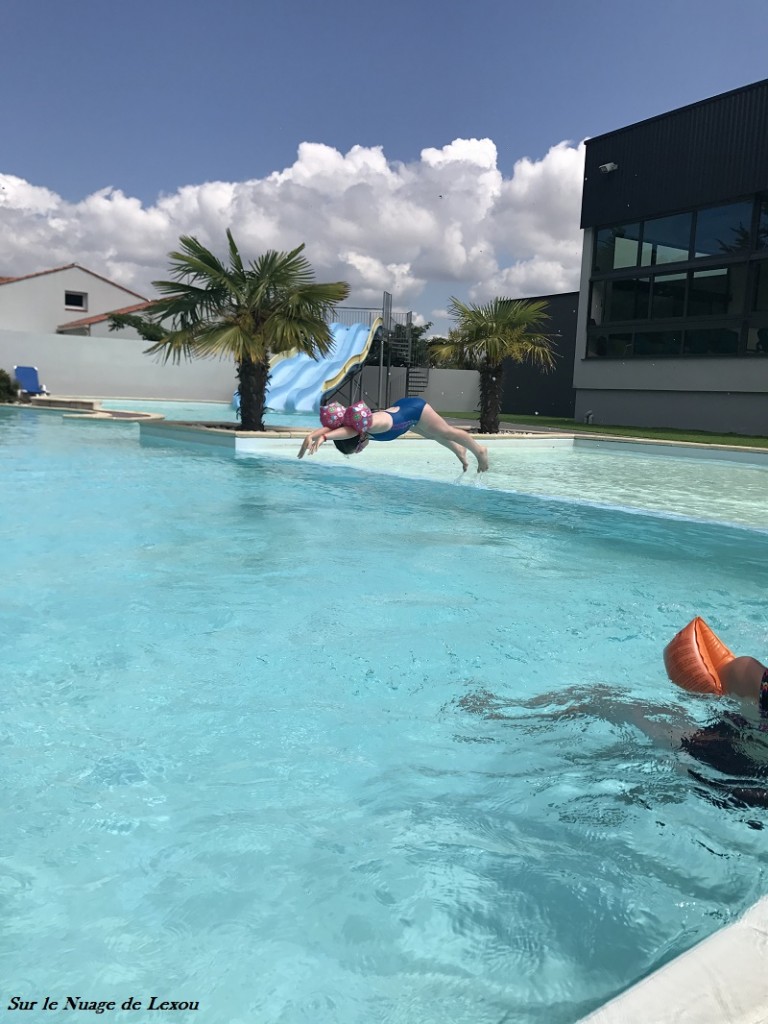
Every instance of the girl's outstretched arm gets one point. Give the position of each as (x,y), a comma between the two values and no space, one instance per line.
(312,441)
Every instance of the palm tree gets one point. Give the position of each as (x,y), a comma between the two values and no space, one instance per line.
(245,312)
(484,336)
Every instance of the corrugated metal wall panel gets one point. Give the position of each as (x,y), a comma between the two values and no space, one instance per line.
(710,152)
(527,389)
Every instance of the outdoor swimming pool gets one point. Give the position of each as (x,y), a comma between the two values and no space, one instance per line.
(288,738)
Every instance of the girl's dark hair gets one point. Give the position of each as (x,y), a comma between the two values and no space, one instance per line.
(349,445)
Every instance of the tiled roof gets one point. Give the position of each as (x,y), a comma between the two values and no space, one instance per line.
(70,266)
(99,317)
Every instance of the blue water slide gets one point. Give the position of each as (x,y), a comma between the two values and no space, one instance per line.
(298,382)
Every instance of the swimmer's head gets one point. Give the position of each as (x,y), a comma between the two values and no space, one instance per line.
(352,445)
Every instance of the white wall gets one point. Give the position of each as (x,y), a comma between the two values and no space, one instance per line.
(113,367)
(37,303)
(116,367)
(447,390)
(454,390)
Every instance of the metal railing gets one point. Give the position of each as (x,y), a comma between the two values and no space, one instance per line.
(348,315)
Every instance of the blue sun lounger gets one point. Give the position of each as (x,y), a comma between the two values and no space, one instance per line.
(29,380)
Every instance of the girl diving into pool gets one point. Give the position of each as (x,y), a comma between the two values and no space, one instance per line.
(352,428)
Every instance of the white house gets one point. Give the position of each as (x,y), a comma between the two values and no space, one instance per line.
(65,300)
(58,321)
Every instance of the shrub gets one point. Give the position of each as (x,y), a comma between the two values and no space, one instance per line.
(9,387)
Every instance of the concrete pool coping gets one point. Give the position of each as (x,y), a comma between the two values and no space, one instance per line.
(722,980)
(83,409)
(90,408)
(230,436)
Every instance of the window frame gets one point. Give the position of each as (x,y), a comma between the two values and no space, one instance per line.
(75,306)
(743,321)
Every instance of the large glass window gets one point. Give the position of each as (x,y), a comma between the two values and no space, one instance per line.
(597,303)
(718,291)
(666,239)
(610,346)
(709,309)
(757,338)
(620,300)
(616,247)
(760,301)
(723,230)
(762,225)
(658,343)
(643,298)
(714,341)
(668,298)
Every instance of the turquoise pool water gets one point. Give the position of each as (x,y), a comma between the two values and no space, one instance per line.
(699,484)
(297,744)
(212,412)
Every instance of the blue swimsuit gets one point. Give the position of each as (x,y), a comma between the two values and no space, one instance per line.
(408,415)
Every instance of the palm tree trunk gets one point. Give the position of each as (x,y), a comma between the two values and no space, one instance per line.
(253,377)
(491,380)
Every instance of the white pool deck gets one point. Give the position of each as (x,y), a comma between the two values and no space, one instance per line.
(722,980)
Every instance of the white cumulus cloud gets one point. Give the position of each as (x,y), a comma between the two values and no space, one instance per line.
(449,223)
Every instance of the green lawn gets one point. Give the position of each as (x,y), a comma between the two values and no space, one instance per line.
(657,433)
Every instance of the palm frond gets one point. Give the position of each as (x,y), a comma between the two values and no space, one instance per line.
(214,310)
(503,329)
(175,347)
(219,341)
(235,259)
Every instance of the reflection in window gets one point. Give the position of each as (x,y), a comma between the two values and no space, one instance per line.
(658,343)
(757,339)
(762,225)
(642,298)
(666,239)
(610,346)
(723,229)
(709,293)
(597,304)
(760,301)
(620,300)
(718,291)
(715,341)
(668,295)
(616,247)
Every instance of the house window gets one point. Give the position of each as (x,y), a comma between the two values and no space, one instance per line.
(76,300)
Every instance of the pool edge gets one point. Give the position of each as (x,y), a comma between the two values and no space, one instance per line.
(722,978)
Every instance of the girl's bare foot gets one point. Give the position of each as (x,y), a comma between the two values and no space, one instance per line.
(482,459)
(462,454)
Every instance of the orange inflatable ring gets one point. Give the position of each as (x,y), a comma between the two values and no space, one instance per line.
(694,657)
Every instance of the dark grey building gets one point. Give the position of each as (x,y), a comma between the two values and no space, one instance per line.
(527,389)
(673,305)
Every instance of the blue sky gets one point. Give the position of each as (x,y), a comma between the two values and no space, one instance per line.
(154,100)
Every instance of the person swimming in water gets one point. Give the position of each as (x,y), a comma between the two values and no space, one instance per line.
(352,428)
(735,744)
